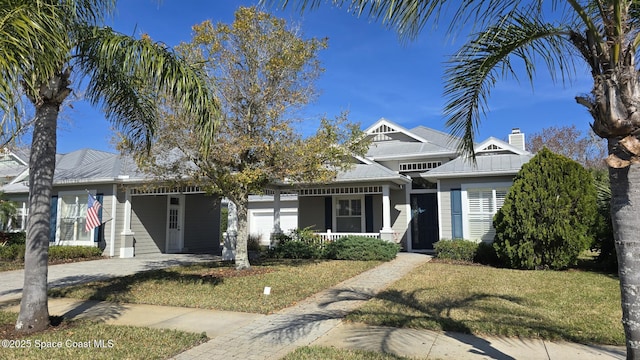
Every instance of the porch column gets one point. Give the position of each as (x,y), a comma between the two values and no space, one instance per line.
(276,212)
(387,232)
(230,236)
(276,219)
(126,237)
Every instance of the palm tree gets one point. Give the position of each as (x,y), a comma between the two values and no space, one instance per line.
(604,35)
(51,40)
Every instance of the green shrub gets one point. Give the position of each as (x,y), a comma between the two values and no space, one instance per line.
(603,228)
(457,249)
(486,255)
(297,244)
(296,250)
(10,238)
(73,252)
(361,248)
(548,214)
(13,252)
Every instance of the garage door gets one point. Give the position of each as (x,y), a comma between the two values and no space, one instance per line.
(261,223)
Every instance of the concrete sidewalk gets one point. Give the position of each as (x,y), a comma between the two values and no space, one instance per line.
(11,282)
(313,321)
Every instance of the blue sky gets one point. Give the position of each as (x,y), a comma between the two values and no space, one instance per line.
(368,72)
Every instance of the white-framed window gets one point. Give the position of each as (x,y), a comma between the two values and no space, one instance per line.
(480,203)
(349,214)
(72,215)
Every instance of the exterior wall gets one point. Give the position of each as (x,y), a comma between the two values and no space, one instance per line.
(444,206)
(311,212)
(399,216)
(444,200)
(201,223)
(149,222)
(105,229)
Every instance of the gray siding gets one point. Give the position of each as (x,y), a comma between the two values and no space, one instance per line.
(202,223)
(445,198)
(311,212)
(148,222)
(399,215)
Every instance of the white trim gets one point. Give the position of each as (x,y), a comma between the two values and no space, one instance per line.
(181,207)
(396,127)
(58,241)
(334,225)
(439,200)
(465,201)
(504,147)
(114,213)
(407,228)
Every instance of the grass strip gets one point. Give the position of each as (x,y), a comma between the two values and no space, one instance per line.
(331,353)
(86,340)
(218,286)
(577,306)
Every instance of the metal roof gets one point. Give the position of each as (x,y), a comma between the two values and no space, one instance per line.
(485,165)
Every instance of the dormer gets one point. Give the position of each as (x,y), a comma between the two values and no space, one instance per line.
(493,146)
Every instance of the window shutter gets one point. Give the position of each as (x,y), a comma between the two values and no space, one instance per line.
(456,214)
(53,219)
(328,213)
(97,232)
(368,213)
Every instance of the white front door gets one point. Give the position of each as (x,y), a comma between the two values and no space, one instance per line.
(175,222)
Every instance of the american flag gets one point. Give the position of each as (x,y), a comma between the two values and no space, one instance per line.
(93,206)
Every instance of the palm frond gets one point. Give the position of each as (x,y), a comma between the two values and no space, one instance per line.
(474,70)
(126,75)
(408,17)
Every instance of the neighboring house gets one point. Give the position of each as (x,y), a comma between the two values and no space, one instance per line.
(138,216)
(412,187)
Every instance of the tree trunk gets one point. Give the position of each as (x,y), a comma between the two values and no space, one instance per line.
(242,254)
(34,310)
(625,216)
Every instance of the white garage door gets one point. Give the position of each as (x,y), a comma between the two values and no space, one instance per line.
(261,223)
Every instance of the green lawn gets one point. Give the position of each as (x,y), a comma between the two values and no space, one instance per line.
(329,353)
(85,340)
(573,305)
(219,286)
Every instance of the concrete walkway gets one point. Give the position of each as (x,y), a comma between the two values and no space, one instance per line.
(314,321)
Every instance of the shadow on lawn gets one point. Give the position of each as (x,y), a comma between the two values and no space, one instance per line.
(119,289)
(419,313)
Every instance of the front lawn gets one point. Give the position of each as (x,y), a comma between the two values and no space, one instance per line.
(572,305)
(218,286)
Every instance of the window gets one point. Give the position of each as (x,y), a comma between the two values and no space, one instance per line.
(72,218)
(349,215)
(481,205)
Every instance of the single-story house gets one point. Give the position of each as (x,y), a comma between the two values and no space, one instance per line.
(138,217)
(412,187)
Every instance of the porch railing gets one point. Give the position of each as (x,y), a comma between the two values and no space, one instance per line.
(332,236)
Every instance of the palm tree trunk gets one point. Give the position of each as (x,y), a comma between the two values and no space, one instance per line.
(625,216)
(34,311)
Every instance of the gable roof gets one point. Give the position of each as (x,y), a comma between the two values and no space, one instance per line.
(384,147)
(384,126)
(487,165)
(497,146)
